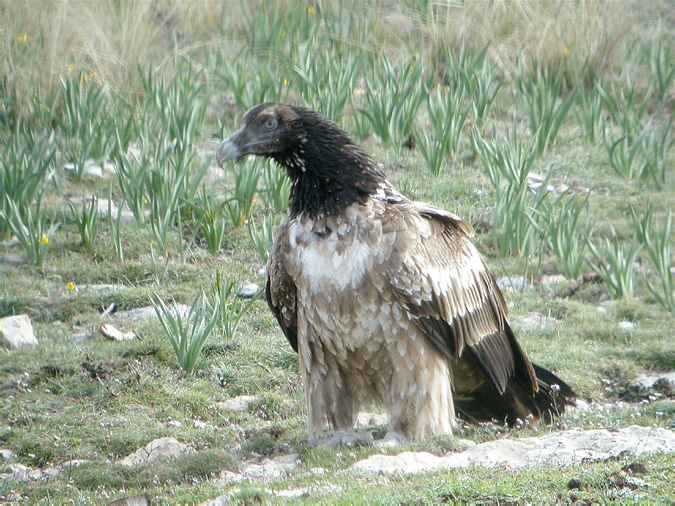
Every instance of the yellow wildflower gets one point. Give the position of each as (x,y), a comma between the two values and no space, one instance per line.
(88,76)
(70,286)
(44,240)
(567,52)
(70,68)
(311,10)
(285,83)
(22,38)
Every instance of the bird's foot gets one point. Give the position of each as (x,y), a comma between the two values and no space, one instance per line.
(341,438)
(392,439)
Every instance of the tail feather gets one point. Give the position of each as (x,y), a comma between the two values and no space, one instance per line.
(518,401)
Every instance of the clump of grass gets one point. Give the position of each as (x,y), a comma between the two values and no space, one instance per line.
(662,70)
(615,264)
(28,226)
(262,237)
(85,124)
(547,106)
(25,162)
(115,229)
(567,237)
(447,116)
(230,308)
(325,81)
(210,219)
(658,244)
(277,188)
(392,101)
(589,112)
(187,334)
(87,221)
(240,205)
(508,162)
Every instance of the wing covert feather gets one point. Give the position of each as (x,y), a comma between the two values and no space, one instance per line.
(280,290)
(444,284)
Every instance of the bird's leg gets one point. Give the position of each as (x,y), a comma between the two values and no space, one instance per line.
(420,399)
(330,403)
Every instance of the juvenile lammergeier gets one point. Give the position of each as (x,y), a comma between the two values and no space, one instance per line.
(383,298)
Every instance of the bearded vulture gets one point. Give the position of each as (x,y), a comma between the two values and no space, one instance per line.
(384,299)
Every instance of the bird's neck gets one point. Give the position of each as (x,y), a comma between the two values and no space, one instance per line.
(328,176)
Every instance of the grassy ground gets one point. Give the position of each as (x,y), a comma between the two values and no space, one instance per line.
(100,400)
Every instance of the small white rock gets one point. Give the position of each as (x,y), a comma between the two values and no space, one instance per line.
(648,381)
(200,425)
(626,326)
(162,448)
(513,283)
(238,404)
(248,290)
(175,424)
(115,334)
(6,454)
(553,279)
(17,331)
(19,472)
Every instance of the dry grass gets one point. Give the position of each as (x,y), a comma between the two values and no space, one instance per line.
(44,41)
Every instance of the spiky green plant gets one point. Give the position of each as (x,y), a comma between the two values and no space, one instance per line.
(85,124)
(209,217)
(614,262)
(508,162)
(546,103)
(187,333)
(240,205)
(262,237)
(115,229)
(28,226)
(25,162)
(87,221)
(567,236)
(231,309)
(277,187)
(658,244)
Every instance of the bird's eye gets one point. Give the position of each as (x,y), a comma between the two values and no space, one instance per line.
(270,124)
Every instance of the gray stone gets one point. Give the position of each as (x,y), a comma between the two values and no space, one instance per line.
(248,290)
(19,472)
(626,326)
(141,314)
(9,243)
(238,404)
(342,438)
(6,454)
(92,169)
(271,469)
(552,279)
(162,448)
(114,334)
(17,331)
(82,337)
(136,500)
(101,289)
(513,283)
(558,448)
(226,478)
(174,423)
(12,259)
(648,381)
(535,321)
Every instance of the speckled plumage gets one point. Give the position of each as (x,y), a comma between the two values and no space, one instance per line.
(384,299)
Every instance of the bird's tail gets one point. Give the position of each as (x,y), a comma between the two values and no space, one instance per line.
(518,402)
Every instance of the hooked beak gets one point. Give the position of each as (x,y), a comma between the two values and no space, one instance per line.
(229,149)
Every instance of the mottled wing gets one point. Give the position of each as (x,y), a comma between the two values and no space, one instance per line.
(280,290)
(444,284)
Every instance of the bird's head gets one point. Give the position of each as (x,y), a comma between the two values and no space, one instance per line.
(327,169)
(269,130)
